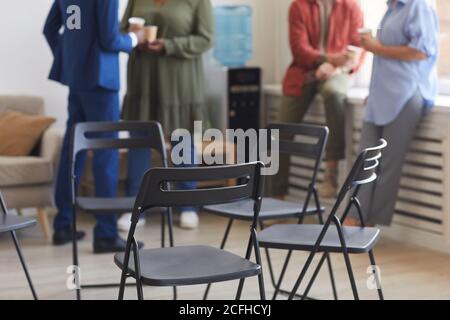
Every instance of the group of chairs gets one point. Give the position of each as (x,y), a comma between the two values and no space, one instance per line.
(194,265)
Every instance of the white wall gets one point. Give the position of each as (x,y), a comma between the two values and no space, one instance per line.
(25,58)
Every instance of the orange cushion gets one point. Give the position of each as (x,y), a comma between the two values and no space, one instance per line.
(19,132)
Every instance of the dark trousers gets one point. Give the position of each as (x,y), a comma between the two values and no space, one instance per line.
(378,199)
(294,109)
(89,106)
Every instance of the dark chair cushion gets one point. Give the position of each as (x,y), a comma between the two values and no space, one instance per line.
(304,236)
(189,265)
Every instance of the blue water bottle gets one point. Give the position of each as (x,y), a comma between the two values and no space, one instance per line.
(233,41)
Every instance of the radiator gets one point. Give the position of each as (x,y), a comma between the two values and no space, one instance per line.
(423,207)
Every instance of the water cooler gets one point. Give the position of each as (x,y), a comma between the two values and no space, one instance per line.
(233,89)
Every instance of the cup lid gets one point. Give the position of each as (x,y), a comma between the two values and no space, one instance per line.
(136,20)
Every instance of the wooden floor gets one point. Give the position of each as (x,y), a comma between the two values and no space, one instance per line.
(407,272)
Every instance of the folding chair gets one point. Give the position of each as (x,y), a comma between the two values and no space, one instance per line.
(88,136)
(311,147)
(192,265)
(322,238)
(10,223)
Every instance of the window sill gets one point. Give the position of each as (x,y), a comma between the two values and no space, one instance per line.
(357,95)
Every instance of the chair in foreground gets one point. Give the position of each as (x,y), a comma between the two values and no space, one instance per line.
(92,137)
(338,239)
(10,223)
(310,146)
(192,265)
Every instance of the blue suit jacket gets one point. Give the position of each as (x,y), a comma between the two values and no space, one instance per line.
(87,58)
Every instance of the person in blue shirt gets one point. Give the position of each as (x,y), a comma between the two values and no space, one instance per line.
(403,88)
(85,40)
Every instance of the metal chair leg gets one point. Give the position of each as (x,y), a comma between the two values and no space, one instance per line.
(373,263)
(269,261)
(137,267)
(222,246)
(351,275)
(332,280)
(314,276)
(171,242)
(75,250)
(241,282)
(330,267)
(24,266)
(302,274)
(123,280)
(262,290)
(283,272)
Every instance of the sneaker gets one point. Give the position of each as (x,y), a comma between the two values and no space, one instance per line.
(64,236)
(329,187)
(112,245)
(124,223)
(189,220)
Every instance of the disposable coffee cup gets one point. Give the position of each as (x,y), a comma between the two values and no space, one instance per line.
(151,33)
(136,24)
(364,31)
(354,51)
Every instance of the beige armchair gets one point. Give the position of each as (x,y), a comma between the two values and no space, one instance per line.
(27,182)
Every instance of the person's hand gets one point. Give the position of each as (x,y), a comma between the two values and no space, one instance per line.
(338,60)
(369,43)
(325,72)
(140,35)
(353,61)
(156,47)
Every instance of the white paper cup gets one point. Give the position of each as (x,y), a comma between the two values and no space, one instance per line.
(136,23)
(151,33)
(363,31)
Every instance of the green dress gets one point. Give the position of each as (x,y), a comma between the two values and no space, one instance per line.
(170,88)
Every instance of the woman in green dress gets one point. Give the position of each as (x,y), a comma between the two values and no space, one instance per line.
(165,78)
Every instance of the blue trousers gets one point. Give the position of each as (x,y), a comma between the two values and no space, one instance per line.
(139,161)
(89,106)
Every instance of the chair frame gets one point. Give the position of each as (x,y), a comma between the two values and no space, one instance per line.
(290,147)
(363,172)
(81,142)
(18,250)
(155,192)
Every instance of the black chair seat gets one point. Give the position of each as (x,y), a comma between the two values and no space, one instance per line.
(11,223)
(270,209)
(189,265)
(304,236)
(106,205)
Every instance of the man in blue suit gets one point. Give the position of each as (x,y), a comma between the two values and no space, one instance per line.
(85,41)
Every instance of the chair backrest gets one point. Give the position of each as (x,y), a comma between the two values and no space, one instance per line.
(311,145)
(104,135)
(364,171)
(155,193)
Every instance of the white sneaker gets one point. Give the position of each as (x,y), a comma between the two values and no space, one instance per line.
(124,223)
(189,220)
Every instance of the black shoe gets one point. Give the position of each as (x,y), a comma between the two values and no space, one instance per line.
(64,236)
(112,245)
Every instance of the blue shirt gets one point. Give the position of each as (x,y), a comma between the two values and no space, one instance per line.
(413,23)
